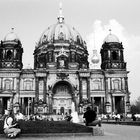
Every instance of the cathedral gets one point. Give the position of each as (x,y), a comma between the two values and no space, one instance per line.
(61,76)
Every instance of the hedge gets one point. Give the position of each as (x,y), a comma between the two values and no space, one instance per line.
(43,126)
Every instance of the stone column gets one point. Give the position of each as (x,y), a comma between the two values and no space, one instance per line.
(109,54)
(119,55)
(106,91)
(76,104)
(123,104)
(107,103)
(36,90)
(1,83)
(32,105)
(17,90)
(92,101)
(102,105)
(44,91)
(121,84)
(88,89)
(111,84)
(1,106)
(16,96)
(20,104)
(23,106)
(75,97)
(80,90)
(113,103)
(50,103)
(126,89)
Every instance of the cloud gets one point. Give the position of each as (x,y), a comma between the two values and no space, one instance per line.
(131,44)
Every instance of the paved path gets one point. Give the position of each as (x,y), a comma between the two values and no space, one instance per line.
(112,132)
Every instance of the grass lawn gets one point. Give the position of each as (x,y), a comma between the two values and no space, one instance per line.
(50,127)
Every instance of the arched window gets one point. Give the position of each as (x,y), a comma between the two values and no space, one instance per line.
(41,85)
(114,55)
(7,84)
(84,85)
(116,84)
(9,55)
(28,84)
(97,84)
(61,36)
(1,54)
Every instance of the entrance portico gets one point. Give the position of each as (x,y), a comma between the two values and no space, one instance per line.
(63,97)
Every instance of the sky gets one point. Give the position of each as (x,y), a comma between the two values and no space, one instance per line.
(92,19)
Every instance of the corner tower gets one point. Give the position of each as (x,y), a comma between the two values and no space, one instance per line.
(112,53)
(11,52)
(117,97)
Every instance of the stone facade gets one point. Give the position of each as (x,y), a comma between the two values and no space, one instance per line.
(61,74)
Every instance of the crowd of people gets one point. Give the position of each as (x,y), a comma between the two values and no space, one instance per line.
(11,120)
(90,118)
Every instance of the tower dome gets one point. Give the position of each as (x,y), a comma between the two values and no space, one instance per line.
(11,37)
(111,38)
(11,52)
(112,53)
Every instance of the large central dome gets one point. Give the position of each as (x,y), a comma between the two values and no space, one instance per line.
(61,47)
(61,32)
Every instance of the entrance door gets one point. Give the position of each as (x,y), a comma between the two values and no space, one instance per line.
(62,98)
(62,110)
(5,103)
(119,104)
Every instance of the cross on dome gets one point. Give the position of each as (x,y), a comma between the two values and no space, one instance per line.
(60,16)
(110,31)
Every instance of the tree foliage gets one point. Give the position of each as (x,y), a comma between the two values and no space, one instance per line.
(135,108)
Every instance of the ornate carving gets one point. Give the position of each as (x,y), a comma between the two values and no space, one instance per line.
(62,76)
(49,87)
(75,87)
(61,36)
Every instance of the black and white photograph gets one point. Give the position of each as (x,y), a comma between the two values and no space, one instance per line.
(69,69)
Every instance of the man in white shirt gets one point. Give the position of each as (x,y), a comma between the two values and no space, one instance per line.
(19,116)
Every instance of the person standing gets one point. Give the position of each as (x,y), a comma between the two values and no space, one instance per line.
(10,125)
(91,118)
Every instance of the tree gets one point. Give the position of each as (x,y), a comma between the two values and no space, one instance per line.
(135,108)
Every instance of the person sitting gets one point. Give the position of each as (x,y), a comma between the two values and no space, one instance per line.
(19,116)
(134,117)
(10,125)
(91,118)
(68,118)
